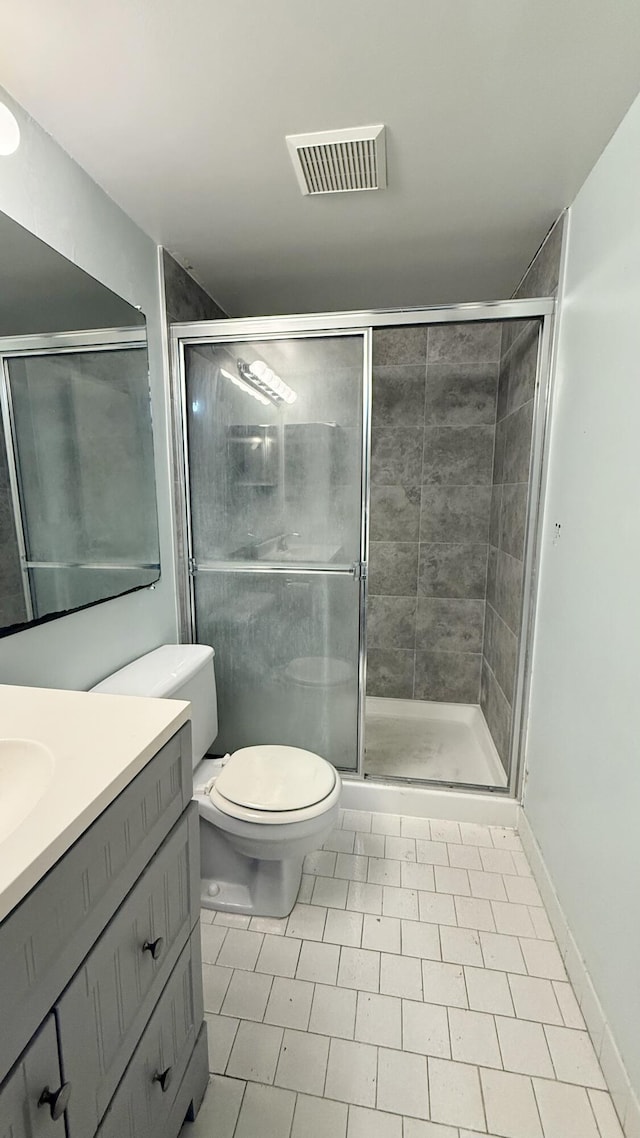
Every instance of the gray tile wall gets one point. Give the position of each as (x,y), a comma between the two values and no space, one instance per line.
(12,606)
(509,497)
(185,299)
(433,435)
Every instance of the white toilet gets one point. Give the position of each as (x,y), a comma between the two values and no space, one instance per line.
(262,809)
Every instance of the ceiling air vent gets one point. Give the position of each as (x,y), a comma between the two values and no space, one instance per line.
(338,161)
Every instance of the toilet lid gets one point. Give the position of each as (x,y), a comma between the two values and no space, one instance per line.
(275,778)
(319,671)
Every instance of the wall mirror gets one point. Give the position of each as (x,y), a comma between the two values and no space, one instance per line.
(78,517)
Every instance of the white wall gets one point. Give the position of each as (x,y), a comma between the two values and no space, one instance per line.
(48,193)
(583,793)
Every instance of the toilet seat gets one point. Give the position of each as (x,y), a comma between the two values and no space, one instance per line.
(272,784)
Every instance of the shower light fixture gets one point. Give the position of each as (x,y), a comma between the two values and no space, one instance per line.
(9,132)
(260,376)
(246,387)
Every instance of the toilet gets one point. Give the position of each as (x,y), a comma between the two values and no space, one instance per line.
(262,809)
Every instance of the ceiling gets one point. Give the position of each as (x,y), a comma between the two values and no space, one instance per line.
(496,110)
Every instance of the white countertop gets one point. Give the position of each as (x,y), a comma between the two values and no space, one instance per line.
(99,743)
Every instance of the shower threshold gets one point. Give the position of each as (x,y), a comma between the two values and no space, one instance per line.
(440,742)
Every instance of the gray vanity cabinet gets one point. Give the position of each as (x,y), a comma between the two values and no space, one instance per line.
(102,959)
(34,1091)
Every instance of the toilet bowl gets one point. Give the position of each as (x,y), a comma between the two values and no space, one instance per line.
(262,809)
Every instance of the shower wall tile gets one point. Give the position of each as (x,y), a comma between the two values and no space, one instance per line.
(185,299)
(495,515)
(492,574)
(497,712)
(391,622)
(455,513)
(393,568)
(398,396)
(498,452)
(395,513)
(396,455)
(461,395)
(543,274)
(390,672)
(515,466)
(513,517)
(452,570)
(464,343)
(449,677)
(508,589)
(458,456)
(500,651)
(521,364)
(449,625)
(406,344)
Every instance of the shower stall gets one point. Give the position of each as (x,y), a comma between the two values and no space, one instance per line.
(358,499)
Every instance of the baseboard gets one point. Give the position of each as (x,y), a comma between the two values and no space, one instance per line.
(613,1068)
(428,802)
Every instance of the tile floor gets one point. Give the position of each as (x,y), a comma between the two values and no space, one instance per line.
(415,991)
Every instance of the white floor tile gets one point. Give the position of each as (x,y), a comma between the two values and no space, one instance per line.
(473,834)
(383,871)
(474,1038)
(403,1086)
(524,1047)
(605,1113)
(215,982)
(416,875)
(497,861)
(416,1128)
(450,880)
(364,897)
(543,959)
(320,863)
(352,1072)
(379,1020)
(534,999)
(306,889)
(510,1105)
(247,995)
(340,841)
(401,849)
(333,1011)
(359,968)
(514,920)
(366,1123)
(372,845)
(211,938)
(420,939)
(275,926)
(565,1110)
(385,824)
(207,916)
(318,962)
(488,991)
(571,1013)
(400,902)
(351,867)
(488,885)
(255,1052)
(455,1094)
(330,891)
(460,946)
(307,922)
(474,913)
(302,1064)
(266,1111)
(445,831)
(523,869)
(415,828)
(437,908)
(319,1118)
(343,928)
(574,1058)
(505,837)
(289,1003)
(444,984)
(464,857)
(381,933)
(279,955)
(232,920)
(425,1029)
(219,1111)
(541,923)
(356,820)
(241,949)
(221,1032)
(400,976)
(522,890)
(431,853)
(502,952)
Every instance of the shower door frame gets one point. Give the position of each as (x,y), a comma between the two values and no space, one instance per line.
(363,322)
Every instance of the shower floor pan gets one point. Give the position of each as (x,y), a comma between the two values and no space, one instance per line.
(444,742)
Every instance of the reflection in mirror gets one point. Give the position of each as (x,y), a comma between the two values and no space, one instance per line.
(78,521)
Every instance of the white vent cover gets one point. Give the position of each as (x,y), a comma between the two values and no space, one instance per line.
(337,161)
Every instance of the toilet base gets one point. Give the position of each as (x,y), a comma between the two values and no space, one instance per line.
(232,883)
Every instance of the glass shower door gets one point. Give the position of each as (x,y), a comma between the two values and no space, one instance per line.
(274,438)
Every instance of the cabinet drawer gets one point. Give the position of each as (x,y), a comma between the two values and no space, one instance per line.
(105,1008)
(37,1071)
(145,1096)
(45,939)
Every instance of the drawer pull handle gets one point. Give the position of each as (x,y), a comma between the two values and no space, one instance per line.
(57,1101)
(164,1078)
(155,947)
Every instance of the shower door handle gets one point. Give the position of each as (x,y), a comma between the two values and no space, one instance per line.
(359,570)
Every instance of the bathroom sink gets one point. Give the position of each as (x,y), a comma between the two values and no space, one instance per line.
(26,770)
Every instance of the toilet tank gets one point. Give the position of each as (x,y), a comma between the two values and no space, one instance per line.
(175,671)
